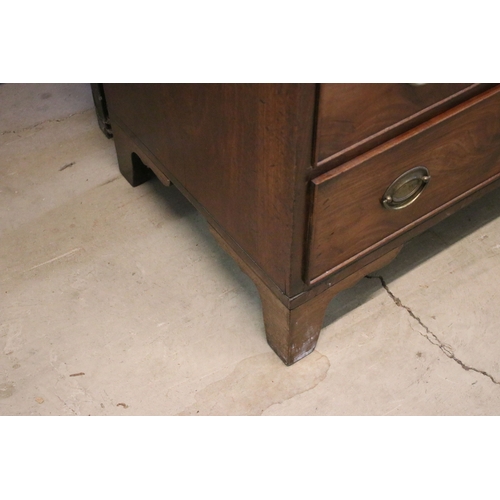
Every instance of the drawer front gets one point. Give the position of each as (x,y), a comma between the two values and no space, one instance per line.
(350,113)
(460,149)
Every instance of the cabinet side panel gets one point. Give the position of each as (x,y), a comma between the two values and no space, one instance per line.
(233,148)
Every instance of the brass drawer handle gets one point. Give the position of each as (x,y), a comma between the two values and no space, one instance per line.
(406,188)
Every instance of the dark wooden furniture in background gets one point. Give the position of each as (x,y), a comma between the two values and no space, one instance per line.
(101,109)
(311,186)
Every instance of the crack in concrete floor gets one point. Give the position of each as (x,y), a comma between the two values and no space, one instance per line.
(431,336)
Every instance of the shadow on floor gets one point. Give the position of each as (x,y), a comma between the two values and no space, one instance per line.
(418,250)
(414,253)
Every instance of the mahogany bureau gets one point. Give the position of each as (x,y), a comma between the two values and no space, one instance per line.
(311,186)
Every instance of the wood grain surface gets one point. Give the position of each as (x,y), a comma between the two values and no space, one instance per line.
(461,149)
(362,116)
(240,151)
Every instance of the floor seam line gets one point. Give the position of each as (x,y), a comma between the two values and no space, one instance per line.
(31,127)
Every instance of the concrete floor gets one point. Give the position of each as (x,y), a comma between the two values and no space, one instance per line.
(117,301)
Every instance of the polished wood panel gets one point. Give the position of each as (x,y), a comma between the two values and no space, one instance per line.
(461,149)
(365,115)
(240,151)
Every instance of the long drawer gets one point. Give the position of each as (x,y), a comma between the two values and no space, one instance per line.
(353,211)
(356,115)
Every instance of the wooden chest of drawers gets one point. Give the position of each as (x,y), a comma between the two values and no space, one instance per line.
(311,186)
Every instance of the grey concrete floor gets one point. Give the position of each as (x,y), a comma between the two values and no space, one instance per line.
(117,301)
